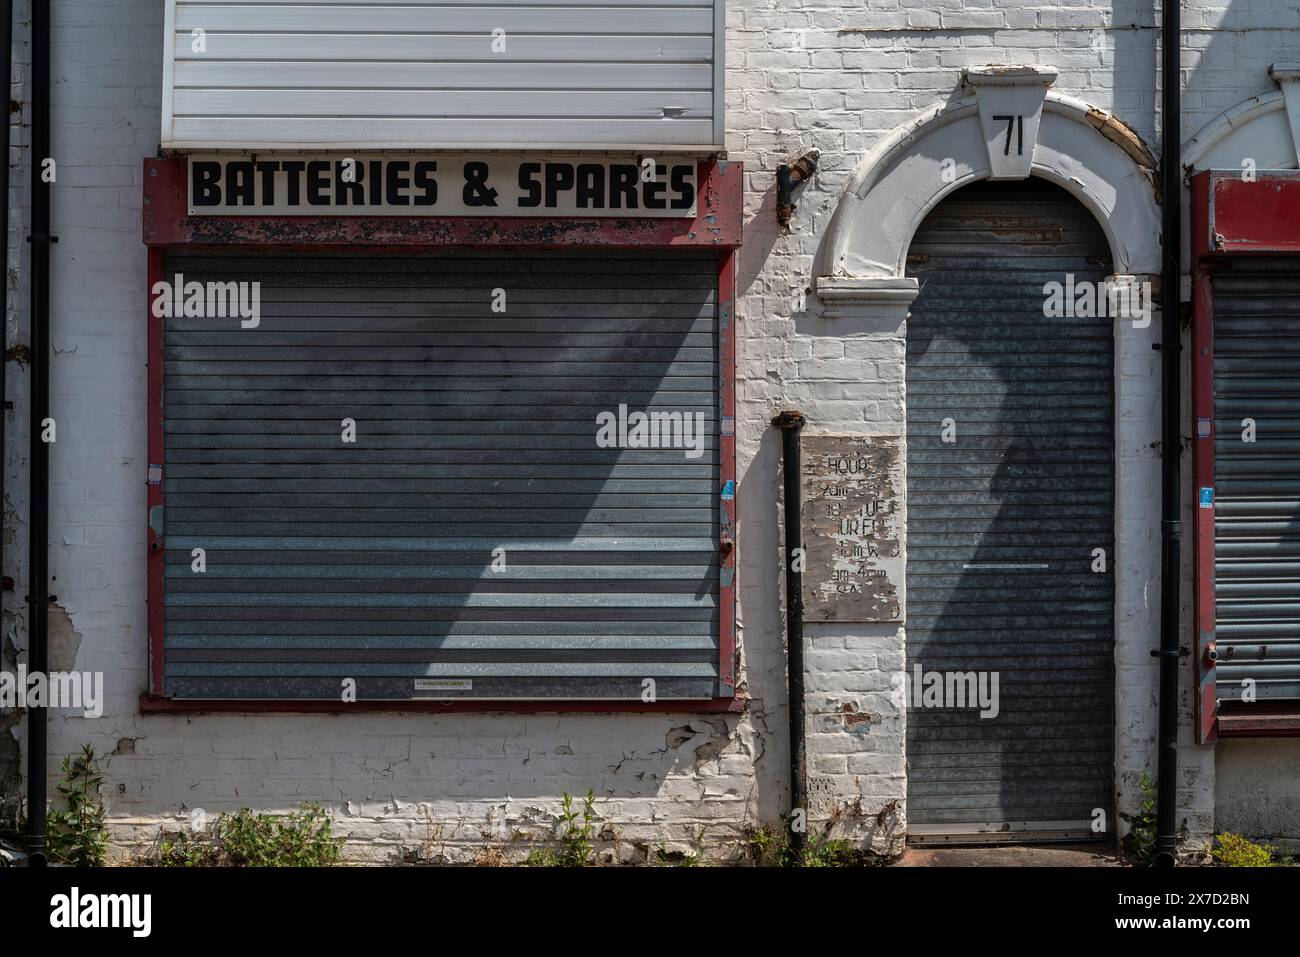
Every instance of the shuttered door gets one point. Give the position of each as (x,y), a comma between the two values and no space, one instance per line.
(1257,484)
(1003,521)
(474,541)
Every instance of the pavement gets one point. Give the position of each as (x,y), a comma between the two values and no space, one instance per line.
(1034,855)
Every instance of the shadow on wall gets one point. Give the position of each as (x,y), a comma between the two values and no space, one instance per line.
(1135,65)
(1230,63)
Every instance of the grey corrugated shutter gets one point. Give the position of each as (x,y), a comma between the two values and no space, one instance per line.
(1002,523)
(1257,484)
(475,431)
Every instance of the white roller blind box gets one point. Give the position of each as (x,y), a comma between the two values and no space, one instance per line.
(511,74)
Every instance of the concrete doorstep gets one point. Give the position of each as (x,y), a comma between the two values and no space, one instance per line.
(1042,855)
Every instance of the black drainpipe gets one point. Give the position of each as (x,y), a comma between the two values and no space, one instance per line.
(39,466)
(6,65)
(790,423)
(1171,440)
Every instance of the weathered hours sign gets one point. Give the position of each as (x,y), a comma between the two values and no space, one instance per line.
(851,528)
(440,184)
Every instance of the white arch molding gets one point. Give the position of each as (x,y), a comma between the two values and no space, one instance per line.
(1264,129)
(1080,148)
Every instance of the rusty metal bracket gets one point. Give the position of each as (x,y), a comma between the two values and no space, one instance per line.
(788,177)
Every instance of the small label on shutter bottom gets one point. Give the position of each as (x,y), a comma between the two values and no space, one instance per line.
(443,684)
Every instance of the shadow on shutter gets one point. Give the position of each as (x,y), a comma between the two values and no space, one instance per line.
(475,433)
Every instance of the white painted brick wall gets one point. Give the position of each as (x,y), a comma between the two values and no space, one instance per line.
(831,75)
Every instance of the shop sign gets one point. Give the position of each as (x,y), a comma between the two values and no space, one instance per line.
(442,184)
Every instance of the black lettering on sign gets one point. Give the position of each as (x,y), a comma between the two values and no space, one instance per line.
(477,192)
(317,183)
(347,193)
(559,176)
(528,173)
(681,180)
(425,183)
(623,180)
(240,190)
(292,170)
(581,188)
(591,186)
(396,183)
(206,188)
(654,190)
(267,168)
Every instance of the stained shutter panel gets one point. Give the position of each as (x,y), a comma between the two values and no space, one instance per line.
(475,433)
(1003,521)
(1257,484)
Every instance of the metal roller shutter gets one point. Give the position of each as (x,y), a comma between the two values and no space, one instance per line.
(1002,522)
(475,431)
(1257,484)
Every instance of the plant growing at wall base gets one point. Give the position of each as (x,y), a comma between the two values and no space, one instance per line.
(575,841)
(662,857)
(833,853)
(1140,842)
(1233,850)
(76,835)
(767,848)
(302,838)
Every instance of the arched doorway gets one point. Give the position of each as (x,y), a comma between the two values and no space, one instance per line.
(1010,489)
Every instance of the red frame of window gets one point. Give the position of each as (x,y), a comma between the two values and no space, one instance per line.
(716,225)
(1230,218)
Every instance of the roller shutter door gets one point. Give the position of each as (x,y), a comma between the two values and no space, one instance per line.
(1257,484)
(1003,521)
(475,445)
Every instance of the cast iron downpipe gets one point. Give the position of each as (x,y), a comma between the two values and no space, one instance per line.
(1171,440)
(39,410)
(6,64)
(790,423)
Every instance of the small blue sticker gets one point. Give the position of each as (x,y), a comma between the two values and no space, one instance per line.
(728,425)
(728,490)
(1207,498)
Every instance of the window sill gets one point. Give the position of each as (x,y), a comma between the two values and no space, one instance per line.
(161,704)
(1260,721)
